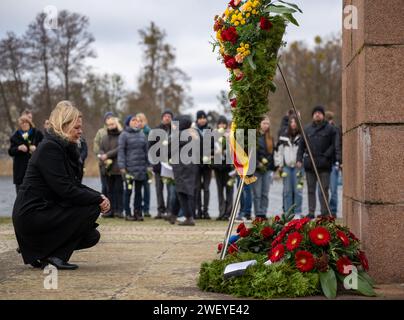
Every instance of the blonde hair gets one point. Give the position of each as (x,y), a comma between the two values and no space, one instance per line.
(63,118)
(116,121)
(142,116)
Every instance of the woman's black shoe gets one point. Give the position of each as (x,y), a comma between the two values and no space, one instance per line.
(37,264)
(60,264)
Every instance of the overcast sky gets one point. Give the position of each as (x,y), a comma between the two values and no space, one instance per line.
(188,24)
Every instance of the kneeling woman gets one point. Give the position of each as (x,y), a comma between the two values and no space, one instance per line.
(54,214)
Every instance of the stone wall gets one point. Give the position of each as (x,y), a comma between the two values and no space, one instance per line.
(373,129)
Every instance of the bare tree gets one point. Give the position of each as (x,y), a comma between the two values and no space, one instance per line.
(73,46)
(40,43)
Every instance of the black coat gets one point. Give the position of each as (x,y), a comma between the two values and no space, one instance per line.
(324,145)
(53,211)
(262,153)
(185,173)
(167,129)
(20,159)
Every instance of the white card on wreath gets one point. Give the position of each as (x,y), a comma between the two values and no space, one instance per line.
(238,269)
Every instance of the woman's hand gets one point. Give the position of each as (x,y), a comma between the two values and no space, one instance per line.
(23,148)
(105,205)
(32,149)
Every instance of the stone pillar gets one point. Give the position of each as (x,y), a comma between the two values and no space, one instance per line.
(373,134)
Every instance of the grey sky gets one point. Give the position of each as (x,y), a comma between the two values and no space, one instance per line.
(188,24)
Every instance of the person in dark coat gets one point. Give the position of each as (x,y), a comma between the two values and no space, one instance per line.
(185,174)
(225,189)
(205,171)
(166,118)
(110,168)
(133,161)
(54,214)
(325,147)
(23,144)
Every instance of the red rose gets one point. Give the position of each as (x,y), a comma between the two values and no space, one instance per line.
(265,24)
(304,261)
(233,103)
(277,253)
(344,266)
(245,232)
(230,35)
(343,237)
(230,62)
(220,247)
(267,232)
(364,260)
(240,227)
(320,236)
(294,241)
(233,249)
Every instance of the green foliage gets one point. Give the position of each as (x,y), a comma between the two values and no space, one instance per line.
(260,281)
(328,282)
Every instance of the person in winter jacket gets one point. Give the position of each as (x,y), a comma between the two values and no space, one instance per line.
(225,188)
(166,119)
(185,174)
(285,160)
(109,164)
(133,161)
(264,169)
(141,117)
(325,147)
(204,175)
(96,149)
(23,144)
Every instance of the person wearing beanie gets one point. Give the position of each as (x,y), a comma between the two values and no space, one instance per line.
(325,146)
(162,204)
(204,175)
(101,133)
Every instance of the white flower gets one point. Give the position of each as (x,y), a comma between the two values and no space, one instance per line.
(221,130)
(25,135)
(206,159)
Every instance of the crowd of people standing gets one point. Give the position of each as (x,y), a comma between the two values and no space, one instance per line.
(126,170)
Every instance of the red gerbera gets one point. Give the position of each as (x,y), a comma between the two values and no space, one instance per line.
(364,260)
(301,223)
(267,232)
(343,237)
(245,232)
(234,3)
(265,24)
(277,218)
(344,266)
(230,35)
(294,240)
(240,227)
(277,253)
(304,261)
(353,237)
(220,247)
(320,236)
(233,249)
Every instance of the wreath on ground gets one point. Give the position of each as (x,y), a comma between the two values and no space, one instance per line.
(295,258)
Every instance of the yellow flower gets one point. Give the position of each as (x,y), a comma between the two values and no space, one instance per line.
(236,23)
(247,46)
(243,22)
(248,15)
(254,11)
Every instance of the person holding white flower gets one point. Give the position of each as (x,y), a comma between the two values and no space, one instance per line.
(225,184)
(109,166)
(265,168)
(285,159)
(23,143)
(133,161)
